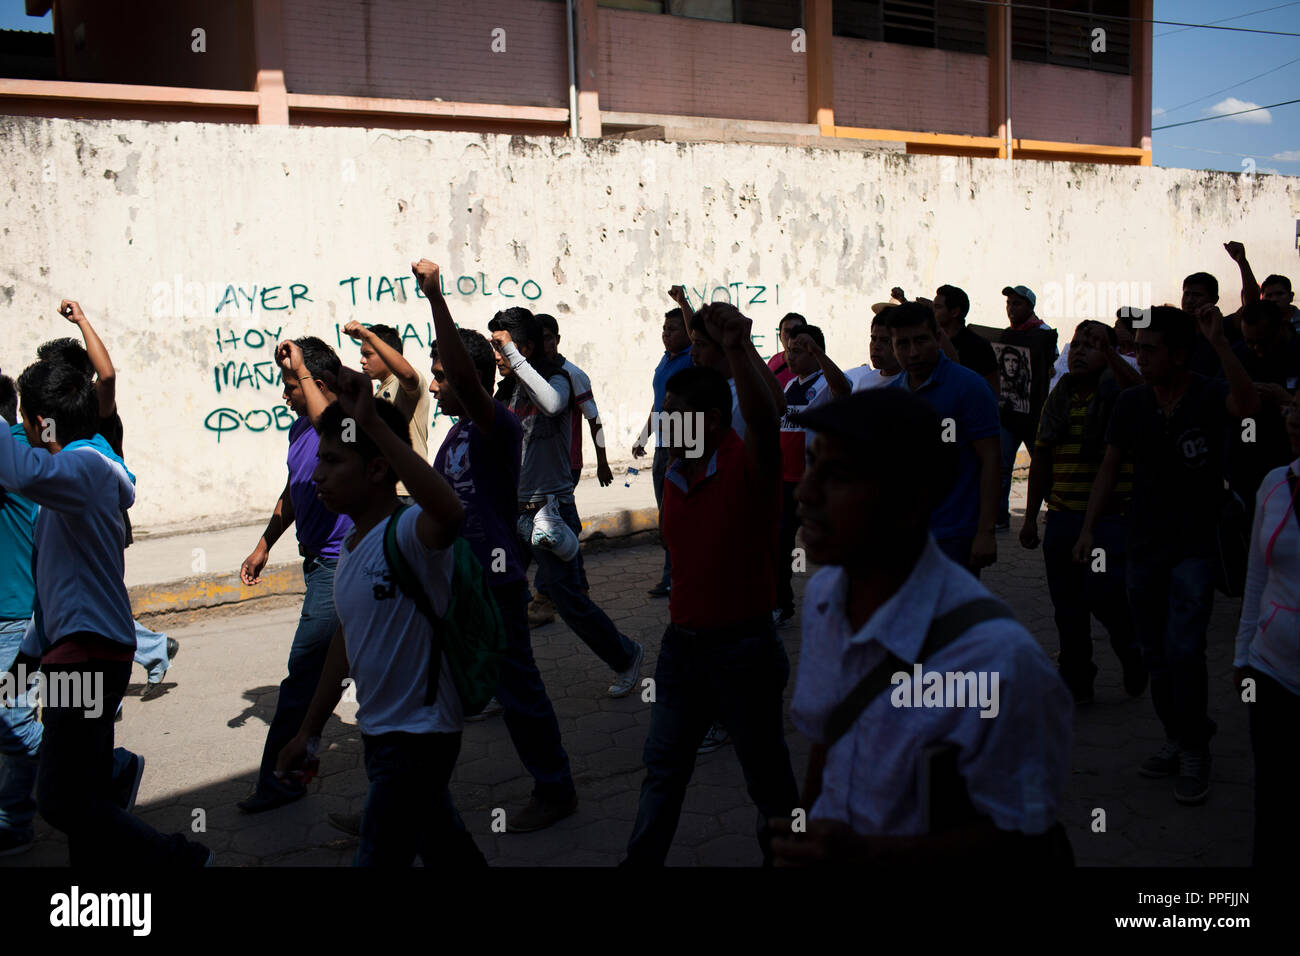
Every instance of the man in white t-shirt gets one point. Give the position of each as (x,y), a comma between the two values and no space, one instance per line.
(384,645)
(884,364)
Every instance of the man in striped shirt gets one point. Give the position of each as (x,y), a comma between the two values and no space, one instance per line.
(1068,453)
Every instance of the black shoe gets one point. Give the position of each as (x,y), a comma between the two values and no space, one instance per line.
(1083,693)
(127,787)
(660,590)
(173,648)
(1193,783)
(349,823)
(539,814)
(1003,525)
(13,842)
(271,799)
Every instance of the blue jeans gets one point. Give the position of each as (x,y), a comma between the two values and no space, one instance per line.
(151,652)
(20,744)
(311,643)
(1010,446)
(409,811)
(530,718)
(1171,613)
(657,471)
(578,611)
(737,681)
(1078,593)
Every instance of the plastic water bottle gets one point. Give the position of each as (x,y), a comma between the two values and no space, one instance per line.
(631,477)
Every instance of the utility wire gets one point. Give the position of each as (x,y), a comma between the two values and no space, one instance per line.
(1234,85)
(1118,19)
(1239,16)
(1206,119)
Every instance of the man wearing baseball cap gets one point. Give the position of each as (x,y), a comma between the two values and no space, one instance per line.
(1017,429)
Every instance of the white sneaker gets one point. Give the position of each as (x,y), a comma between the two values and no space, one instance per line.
(627,679)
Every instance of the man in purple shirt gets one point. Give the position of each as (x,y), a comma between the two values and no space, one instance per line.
(481,458)
(306,365)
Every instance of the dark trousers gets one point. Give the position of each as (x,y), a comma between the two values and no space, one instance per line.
(657,472)
(409,811)
(740,682)
(1171,611)
(1079,592)
(74,782)
(530,718)
(1274,718)
(577,610)
(785,548)
(538,584)
(311,643)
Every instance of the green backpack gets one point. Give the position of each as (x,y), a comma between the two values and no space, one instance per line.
(471,634)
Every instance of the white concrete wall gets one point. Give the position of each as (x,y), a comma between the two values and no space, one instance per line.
(111,213)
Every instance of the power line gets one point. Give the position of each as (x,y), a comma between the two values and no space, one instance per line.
(1119,19)
(1239,16)
(1234,85)
(1206,119)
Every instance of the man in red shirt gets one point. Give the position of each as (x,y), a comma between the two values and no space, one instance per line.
(780,362)
(720,656)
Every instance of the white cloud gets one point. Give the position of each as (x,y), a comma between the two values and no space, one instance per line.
(1289,156)
(1158,112)
(1268,169)
(1234,105)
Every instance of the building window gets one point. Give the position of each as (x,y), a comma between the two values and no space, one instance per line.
(942,24)
(1066,34)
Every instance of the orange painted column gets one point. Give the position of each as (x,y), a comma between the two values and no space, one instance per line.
(821,67)
(1140,74)
(586,46)
(268,51)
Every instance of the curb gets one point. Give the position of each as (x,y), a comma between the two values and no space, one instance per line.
(214,590)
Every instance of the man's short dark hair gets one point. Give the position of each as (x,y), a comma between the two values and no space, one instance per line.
(63,394)
(1275,279)
(912,313)
(1106,330)
(957,301)
(388,335)
(678,315)
(480,353)
(333,421)
(896,438)
(1124,316)
(791,317)
(1177,329)
(66,351)
(8,400)
(547,323)
(520,323)
(812,332)
(702,389)
(1262,310)
(882,317)
(1205,281)
(699,325)
(318,357)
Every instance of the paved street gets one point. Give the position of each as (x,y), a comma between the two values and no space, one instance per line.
(203,738)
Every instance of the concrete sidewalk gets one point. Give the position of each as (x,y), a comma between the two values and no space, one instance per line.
(191,570)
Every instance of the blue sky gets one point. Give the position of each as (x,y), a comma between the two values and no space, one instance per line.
(1195,74)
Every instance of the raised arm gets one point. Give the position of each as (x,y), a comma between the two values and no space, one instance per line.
(441,513)
(407,377)
(1243,400)
(105,374)
(550,400)
(762,422)
(839,385)
(456,363)
(289,357)
(1249,287)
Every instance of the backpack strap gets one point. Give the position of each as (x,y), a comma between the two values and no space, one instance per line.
(405,579)
(943,631)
